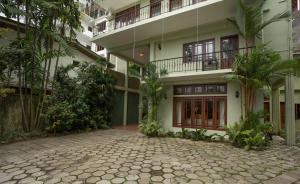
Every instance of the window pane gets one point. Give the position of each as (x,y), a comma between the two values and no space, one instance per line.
(178,112)
(198,113)
(220,113)
(209,112)
(188,112)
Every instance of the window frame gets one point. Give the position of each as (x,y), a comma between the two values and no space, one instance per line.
(126,16)
(193,120)
(99,48)
(172,3)
(154,10)
(193,44)
(101,27)
(229,61)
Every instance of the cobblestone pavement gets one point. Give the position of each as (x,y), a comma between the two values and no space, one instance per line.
(120,156)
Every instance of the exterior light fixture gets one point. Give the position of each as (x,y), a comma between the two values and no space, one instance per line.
(141,54)
(237,94)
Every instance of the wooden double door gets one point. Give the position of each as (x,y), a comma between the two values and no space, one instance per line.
(208,112)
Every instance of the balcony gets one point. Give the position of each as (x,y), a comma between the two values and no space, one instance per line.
(161,16)
(213,61)
(156,8)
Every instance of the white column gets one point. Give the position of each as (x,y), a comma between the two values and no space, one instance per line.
(275,110)
(125,95)
(141,98)
(290,111)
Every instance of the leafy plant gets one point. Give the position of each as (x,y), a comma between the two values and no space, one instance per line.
(151,128)
(233,131)
(81,103)
(250,133)
(256,142)
(257,70)
(185,133)
(248,20)
(199,134)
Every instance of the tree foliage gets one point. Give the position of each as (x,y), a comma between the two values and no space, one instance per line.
(248,20)
(82,102)
(262,68)
(40,26)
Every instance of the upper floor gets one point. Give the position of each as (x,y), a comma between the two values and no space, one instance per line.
(137,20)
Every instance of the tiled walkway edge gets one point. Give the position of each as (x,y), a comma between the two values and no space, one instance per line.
(292,177)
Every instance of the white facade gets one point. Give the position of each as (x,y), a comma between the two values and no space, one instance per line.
(167,31)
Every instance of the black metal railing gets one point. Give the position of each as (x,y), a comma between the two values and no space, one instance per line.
(201,62)
(155,8)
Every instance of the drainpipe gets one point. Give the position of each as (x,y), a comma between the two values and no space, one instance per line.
(289,92)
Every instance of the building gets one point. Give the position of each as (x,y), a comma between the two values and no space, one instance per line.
(195,43)
(94,21)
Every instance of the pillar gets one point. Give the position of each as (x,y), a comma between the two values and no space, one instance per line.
(290,111)
(141,97)
(275,110)
(125,95)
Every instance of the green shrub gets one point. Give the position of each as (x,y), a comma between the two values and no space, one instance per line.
(234,130)
(80,103)
(250,133)
(185,134)
(151,128)
(170,134)
(199,134)
(256,142)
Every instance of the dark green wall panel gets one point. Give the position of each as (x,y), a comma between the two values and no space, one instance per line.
(118,111)
(133,108)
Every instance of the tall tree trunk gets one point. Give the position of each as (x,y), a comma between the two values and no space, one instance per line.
(24,119)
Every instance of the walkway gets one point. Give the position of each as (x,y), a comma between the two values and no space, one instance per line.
(121,156)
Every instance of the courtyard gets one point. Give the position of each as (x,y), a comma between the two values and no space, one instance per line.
(122,156)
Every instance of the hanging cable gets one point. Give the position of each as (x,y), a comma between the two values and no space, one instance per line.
(162,33)
(134,32)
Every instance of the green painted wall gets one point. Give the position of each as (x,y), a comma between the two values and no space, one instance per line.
(133,108)
(117,115)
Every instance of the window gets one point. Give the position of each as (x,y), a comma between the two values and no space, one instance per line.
(101,26)
(175,4)
(229,49)
(208,112)
(90,29)
(127,17)
(295,5)
(99,48)
(297,111)
(198,51)
(155,7)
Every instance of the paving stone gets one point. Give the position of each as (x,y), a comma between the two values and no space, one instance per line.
(115,156)
(118,180)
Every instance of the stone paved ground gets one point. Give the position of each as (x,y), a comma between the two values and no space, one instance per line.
(120,156)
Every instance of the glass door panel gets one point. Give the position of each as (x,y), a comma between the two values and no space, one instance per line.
(209,111)
(178,110)
(198,113)
(220,112)
(229,49)
(198,52)
(188,113)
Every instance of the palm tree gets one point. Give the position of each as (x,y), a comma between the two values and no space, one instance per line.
(248,20)
(152,88)
(262,68)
